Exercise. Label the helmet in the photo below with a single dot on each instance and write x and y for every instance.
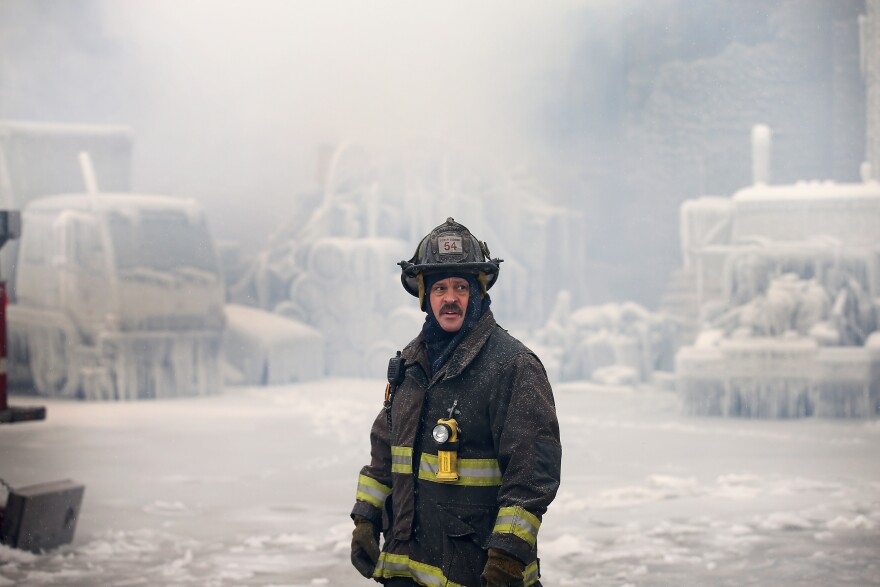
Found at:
(449, 248)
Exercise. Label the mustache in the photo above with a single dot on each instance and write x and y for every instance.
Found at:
(451, 308)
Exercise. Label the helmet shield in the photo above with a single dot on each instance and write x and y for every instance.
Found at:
(449, 248)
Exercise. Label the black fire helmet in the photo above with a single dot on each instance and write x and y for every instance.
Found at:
(449, 248)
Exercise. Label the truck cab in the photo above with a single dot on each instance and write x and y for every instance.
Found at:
(119, 296)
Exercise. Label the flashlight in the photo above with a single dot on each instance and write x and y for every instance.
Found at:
(441, 433)
(445, 434)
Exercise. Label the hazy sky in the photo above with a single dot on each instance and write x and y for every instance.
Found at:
(234, 98)
(235, 102)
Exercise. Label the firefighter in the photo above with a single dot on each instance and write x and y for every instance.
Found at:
(465, 453)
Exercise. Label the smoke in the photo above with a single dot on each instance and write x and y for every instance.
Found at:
(624, 108)
(232, 100)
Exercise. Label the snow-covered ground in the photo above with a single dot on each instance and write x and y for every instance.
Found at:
(254, 486)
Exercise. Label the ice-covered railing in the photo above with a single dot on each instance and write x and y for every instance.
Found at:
(805, 210)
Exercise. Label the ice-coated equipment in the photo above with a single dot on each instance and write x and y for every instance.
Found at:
(115, 295)
(785, 285)
(119, 296)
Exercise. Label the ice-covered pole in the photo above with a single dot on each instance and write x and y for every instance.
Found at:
(866, 172)
(761, 141)
(88, 172)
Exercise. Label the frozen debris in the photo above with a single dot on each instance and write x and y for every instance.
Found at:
(785, 521)
(565, 545)
(858, 522)
(620, 375)
(168, 508)
(657, 488)
(268, 349)
(613, 343)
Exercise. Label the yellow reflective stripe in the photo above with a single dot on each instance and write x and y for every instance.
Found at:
(392, 565)
(471, 472)
(401, 459)
(531, 574)
(400, 565)
(518, 521)
(371, 491)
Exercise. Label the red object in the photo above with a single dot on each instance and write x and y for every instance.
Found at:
(11, 414)
(4, 405)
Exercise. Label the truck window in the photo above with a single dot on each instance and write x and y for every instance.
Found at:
(88, 252)
(162, 241)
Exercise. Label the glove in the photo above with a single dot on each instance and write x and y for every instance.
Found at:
(364, 546)
(502, 570)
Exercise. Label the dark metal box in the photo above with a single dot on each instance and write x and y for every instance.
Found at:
(41, 517)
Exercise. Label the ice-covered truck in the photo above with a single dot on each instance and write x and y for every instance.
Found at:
(117, 295)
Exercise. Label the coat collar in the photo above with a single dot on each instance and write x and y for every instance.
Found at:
(463, 356)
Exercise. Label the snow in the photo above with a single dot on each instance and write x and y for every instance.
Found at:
(253, 487)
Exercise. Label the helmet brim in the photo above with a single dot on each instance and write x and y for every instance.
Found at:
(410, 272)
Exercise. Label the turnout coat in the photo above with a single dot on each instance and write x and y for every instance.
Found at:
(509, 458)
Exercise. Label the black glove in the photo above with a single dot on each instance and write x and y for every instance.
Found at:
(502, 570)
(364, 546)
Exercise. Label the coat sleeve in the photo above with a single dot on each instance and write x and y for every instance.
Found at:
(526, 430)
(374, 481)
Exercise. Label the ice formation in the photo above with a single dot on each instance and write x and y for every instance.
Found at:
(268, 349)
(621, 344)
(788, 283)
(334, 265)
(119, 296)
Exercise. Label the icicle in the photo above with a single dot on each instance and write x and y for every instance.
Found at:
(761, 139)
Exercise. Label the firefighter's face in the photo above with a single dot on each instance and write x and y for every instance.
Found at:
(449, 300)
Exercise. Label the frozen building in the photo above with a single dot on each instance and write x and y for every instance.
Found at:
(787, 281)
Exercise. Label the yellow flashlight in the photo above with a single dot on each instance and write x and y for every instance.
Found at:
(445, 434)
